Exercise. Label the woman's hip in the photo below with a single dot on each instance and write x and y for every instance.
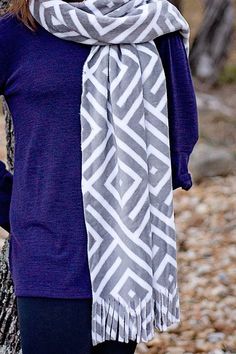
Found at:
(61, 326)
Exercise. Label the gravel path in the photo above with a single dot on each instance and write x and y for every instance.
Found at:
(206, 227)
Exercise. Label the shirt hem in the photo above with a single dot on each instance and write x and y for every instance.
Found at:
(51, 293)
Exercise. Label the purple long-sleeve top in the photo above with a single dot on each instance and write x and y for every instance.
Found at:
(41, 206)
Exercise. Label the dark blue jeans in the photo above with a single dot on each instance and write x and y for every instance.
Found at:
(61, 326)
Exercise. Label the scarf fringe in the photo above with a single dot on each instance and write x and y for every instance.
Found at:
(115, 320)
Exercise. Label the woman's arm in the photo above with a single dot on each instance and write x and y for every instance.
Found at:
(6, 178)
(182, 107)
(6, 181)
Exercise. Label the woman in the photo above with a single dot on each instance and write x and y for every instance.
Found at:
(44, 209)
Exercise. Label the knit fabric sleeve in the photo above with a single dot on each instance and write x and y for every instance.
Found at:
(4, 54)
(182, 107)
(6, 178)
(6, 182)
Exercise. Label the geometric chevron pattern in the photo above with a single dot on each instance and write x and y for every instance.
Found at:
(126, 170)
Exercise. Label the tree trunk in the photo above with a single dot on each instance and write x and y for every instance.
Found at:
(211, 45)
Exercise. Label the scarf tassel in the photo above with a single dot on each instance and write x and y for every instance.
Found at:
(116, 320)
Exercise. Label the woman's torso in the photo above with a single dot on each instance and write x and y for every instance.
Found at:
(42, 88)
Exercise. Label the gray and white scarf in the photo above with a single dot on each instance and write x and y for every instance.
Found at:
(126, 170)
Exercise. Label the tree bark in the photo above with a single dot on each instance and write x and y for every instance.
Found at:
(211, 45)
(3, 6)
